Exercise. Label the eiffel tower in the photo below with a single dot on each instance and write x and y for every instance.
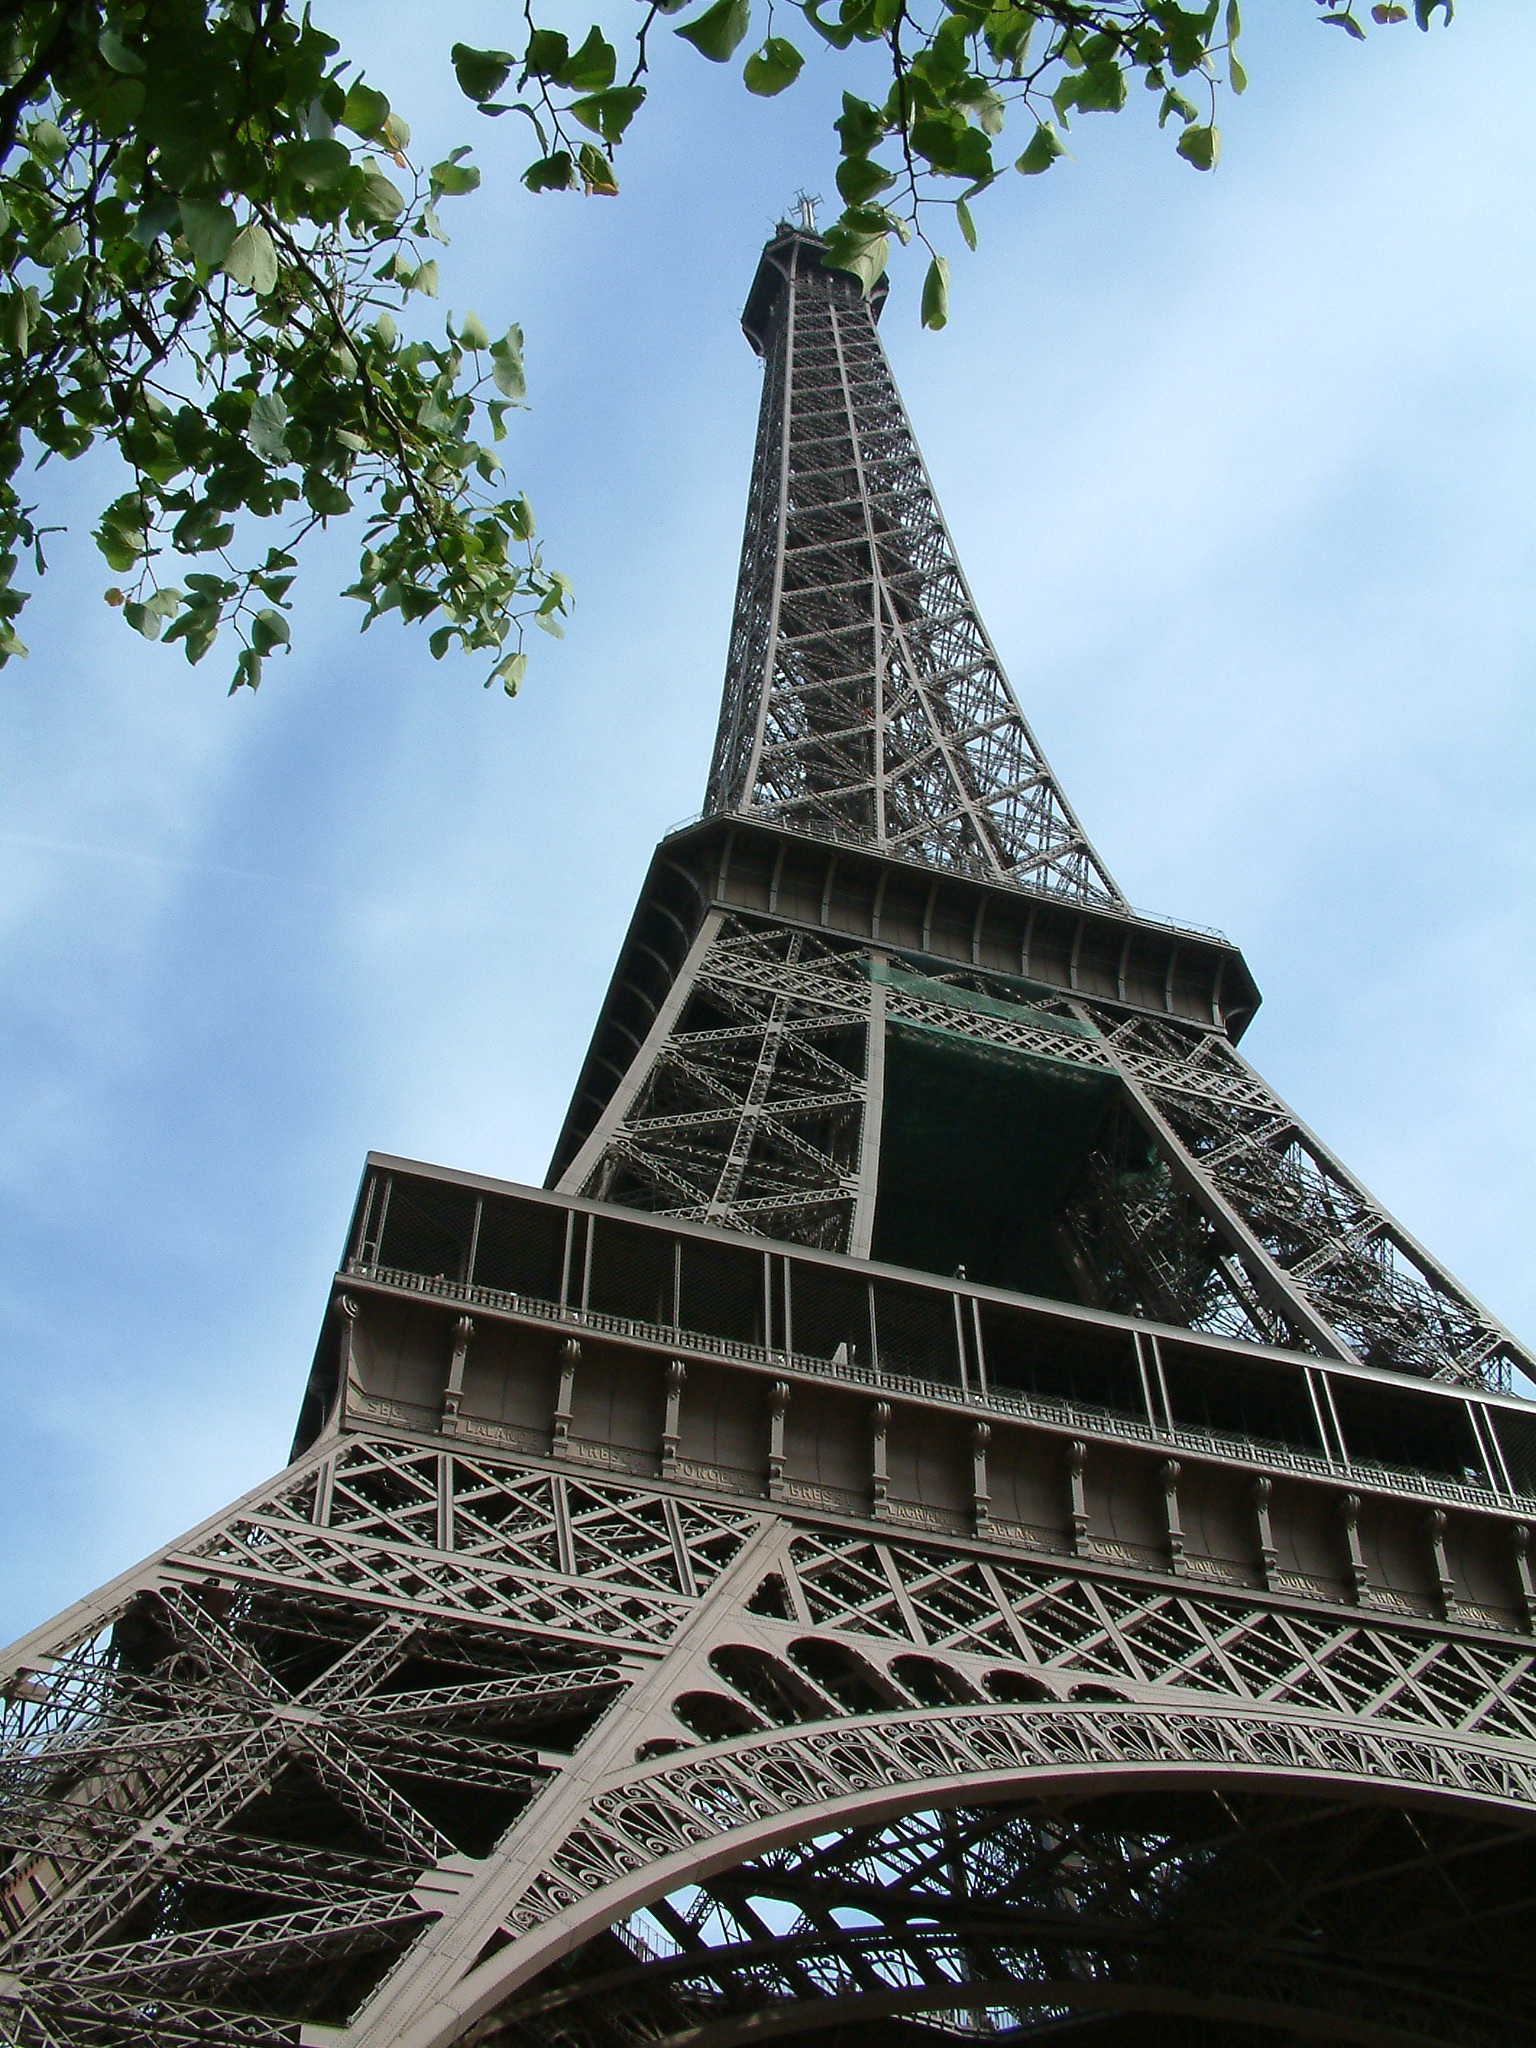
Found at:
(951, 1515)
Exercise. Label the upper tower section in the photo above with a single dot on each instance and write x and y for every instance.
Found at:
(863, 701)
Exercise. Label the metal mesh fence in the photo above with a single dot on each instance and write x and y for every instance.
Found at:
(632, 1272)
(721, 1292)
(520, 1248)
(829, 1313)
(1270, 1407)
(915, 1332)
(428, 1228)
(1095, 1370)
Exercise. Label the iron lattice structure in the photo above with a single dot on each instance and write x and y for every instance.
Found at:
(863, 699)
(865, 708)
(953, 1515)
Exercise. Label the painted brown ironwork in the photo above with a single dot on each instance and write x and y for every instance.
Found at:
(413, 1650)
(863, 699)
(864, 707)
(685, 1622)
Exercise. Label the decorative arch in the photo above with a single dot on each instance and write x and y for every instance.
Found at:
(685, 1820)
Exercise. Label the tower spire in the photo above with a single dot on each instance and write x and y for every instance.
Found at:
(864, 702)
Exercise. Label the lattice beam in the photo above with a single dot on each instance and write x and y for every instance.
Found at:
(864, 702)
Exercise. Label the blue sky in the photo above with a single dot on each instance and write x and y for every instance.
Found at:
(1243, 473)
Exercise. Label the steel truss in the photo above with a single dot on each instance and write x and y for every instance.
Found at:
(863, 699)
(374, 1748)
(427, 1743)
(1205, 1201)
(863, 703)
(1308, 1917)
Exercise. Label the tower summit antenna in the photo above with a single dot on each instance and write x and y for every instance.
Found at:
(808, 207)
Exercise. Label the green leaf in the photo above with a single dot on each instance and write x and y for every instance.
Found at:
(118, 55)
(520, 519)
(252, 260)
(481, 73)
(63, 245)
(860, 126)
(325, 495)
(1344, 18)
(591, 68)
(1100, 89)
(473, 333)
(269, 422)
(317, 164)
(16, 318)
(832, 32)
(1045, 146)
(554, 173)
(1174, 102)
(1237, 75)
(200, 531)
(1189, 36)
(269, 629)
(547, 53)
(507, 366)
(425, 279)
(596, 171)
(47, 140)
(1008, 29)
(966, 225)
(365, 112)
(1200, 147)
(453, 176)
(380, 198)
(509, 672)
(769, 70)
(719, 30)
(943, 64)
(609, 113)
(952, 147)
(936, 293)
(210, 229)
(859, 179)
(150, 616)
(862, 253)
(984, 105)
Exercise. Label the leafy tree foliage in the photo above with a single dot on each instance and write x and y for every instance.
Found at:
(208, 225)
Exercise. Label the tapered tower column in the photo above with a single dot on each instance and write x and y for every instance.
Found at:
(953, 1514)
(886, 998)
(863, 700)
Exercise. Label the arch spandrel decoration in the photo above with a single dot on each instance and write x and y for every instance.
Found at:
(466, 1697)
(1212, 1917)
(682, 1821)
